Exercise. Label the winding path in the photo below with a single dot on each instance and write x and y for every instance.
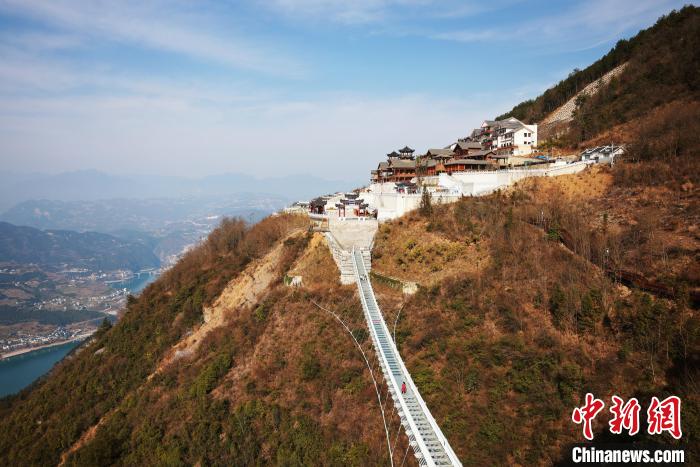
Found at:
(425, 437)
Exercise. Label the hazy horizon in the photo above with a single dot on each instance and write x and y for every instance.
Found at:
(133, 174)
(90, 185)
(321, 87)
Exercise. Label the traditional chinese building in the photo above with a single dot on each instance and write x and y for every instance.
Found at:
(466, 148)
(399, 167)
(463, 164)
(407, 188)
(318, 206)
(351, 205)
(440, 154)
(406, 153)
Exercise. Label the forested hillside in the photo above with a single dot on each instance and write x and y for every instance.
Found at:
(218, 363)
(58, 249)
(526, 299)
(663, 66)
(529, 299)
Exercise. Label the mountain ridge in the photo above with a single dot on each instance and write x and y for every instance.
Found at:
(58, 249)
(520, 312)
(96, 185)
(663, 65)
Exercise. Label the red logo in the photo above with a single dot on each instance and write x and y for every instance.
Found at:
(624, 416)
(661, 416)
(665, 416)
(587, 413)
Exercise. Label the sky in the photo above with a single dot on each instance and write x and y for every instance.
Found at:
(277, 87)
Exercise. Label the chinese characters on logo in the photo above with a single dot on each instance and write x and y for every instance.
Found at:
(665, 416)
(662, 416)
(587, 413)
(624, 416)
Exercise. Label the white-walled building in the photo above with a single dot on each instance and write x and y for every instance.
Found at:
(605, 154)
(513, 137)
(509, 137)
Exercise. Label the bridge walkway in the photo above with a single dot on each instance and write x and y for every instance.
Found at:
(429, 445)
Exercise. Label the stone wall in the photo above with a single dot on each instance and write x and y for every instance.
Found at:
(344, 235)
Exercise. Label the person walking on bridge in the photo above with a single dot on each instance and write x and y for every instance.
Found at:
(403, 387)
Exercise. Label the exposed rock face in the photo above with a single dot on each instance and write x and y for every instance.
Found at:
(243, 291)
(558, 119)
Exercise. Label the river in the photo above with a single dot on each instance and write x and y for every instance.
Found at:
(18, 372)
(136, 284)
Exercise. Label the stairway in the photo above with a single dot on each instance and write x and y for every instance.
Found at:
(429, 445)
(343, 259)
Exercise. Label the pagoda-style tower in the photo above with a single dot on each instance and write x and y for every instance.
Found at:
(406, 153)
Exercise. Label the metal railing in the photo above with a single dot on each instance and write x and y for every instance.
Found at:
(425, 437)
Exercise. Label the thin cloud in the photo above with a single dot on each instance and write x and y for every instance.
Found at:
(587, 25)
(154, 25)
(42, 41)
(364, 12)
(24, 75)
(481, 35)
(351, 12)
(68, 101)
(162, 134)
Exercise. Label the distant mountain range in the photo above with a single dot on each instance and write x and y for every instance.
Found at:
(167, 226)
(58, 249)
(94, 185)
(159, 216)
(272, 377)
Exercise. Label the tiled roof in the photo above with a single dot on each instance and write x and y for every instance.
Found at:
(466, 162)
(465, 145)
(403, 163)
(318, 202)
(483, 152)
(440, 152)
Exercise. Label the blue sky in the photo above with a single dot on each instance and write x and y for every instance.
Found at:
(277, 86)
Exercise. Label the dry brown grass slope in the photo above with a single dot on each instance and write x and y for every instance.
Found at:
(504, 351)
(279, 378)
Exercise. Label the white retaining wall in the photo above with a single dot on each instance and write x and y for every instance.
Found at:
(391, 205)
(488, 181)
(345, 235)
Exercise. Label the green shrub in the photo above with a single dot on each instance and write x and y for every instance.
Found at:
(558, 306)
(210, 375)
(424, 379)
(310, 366)
(569, 381)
